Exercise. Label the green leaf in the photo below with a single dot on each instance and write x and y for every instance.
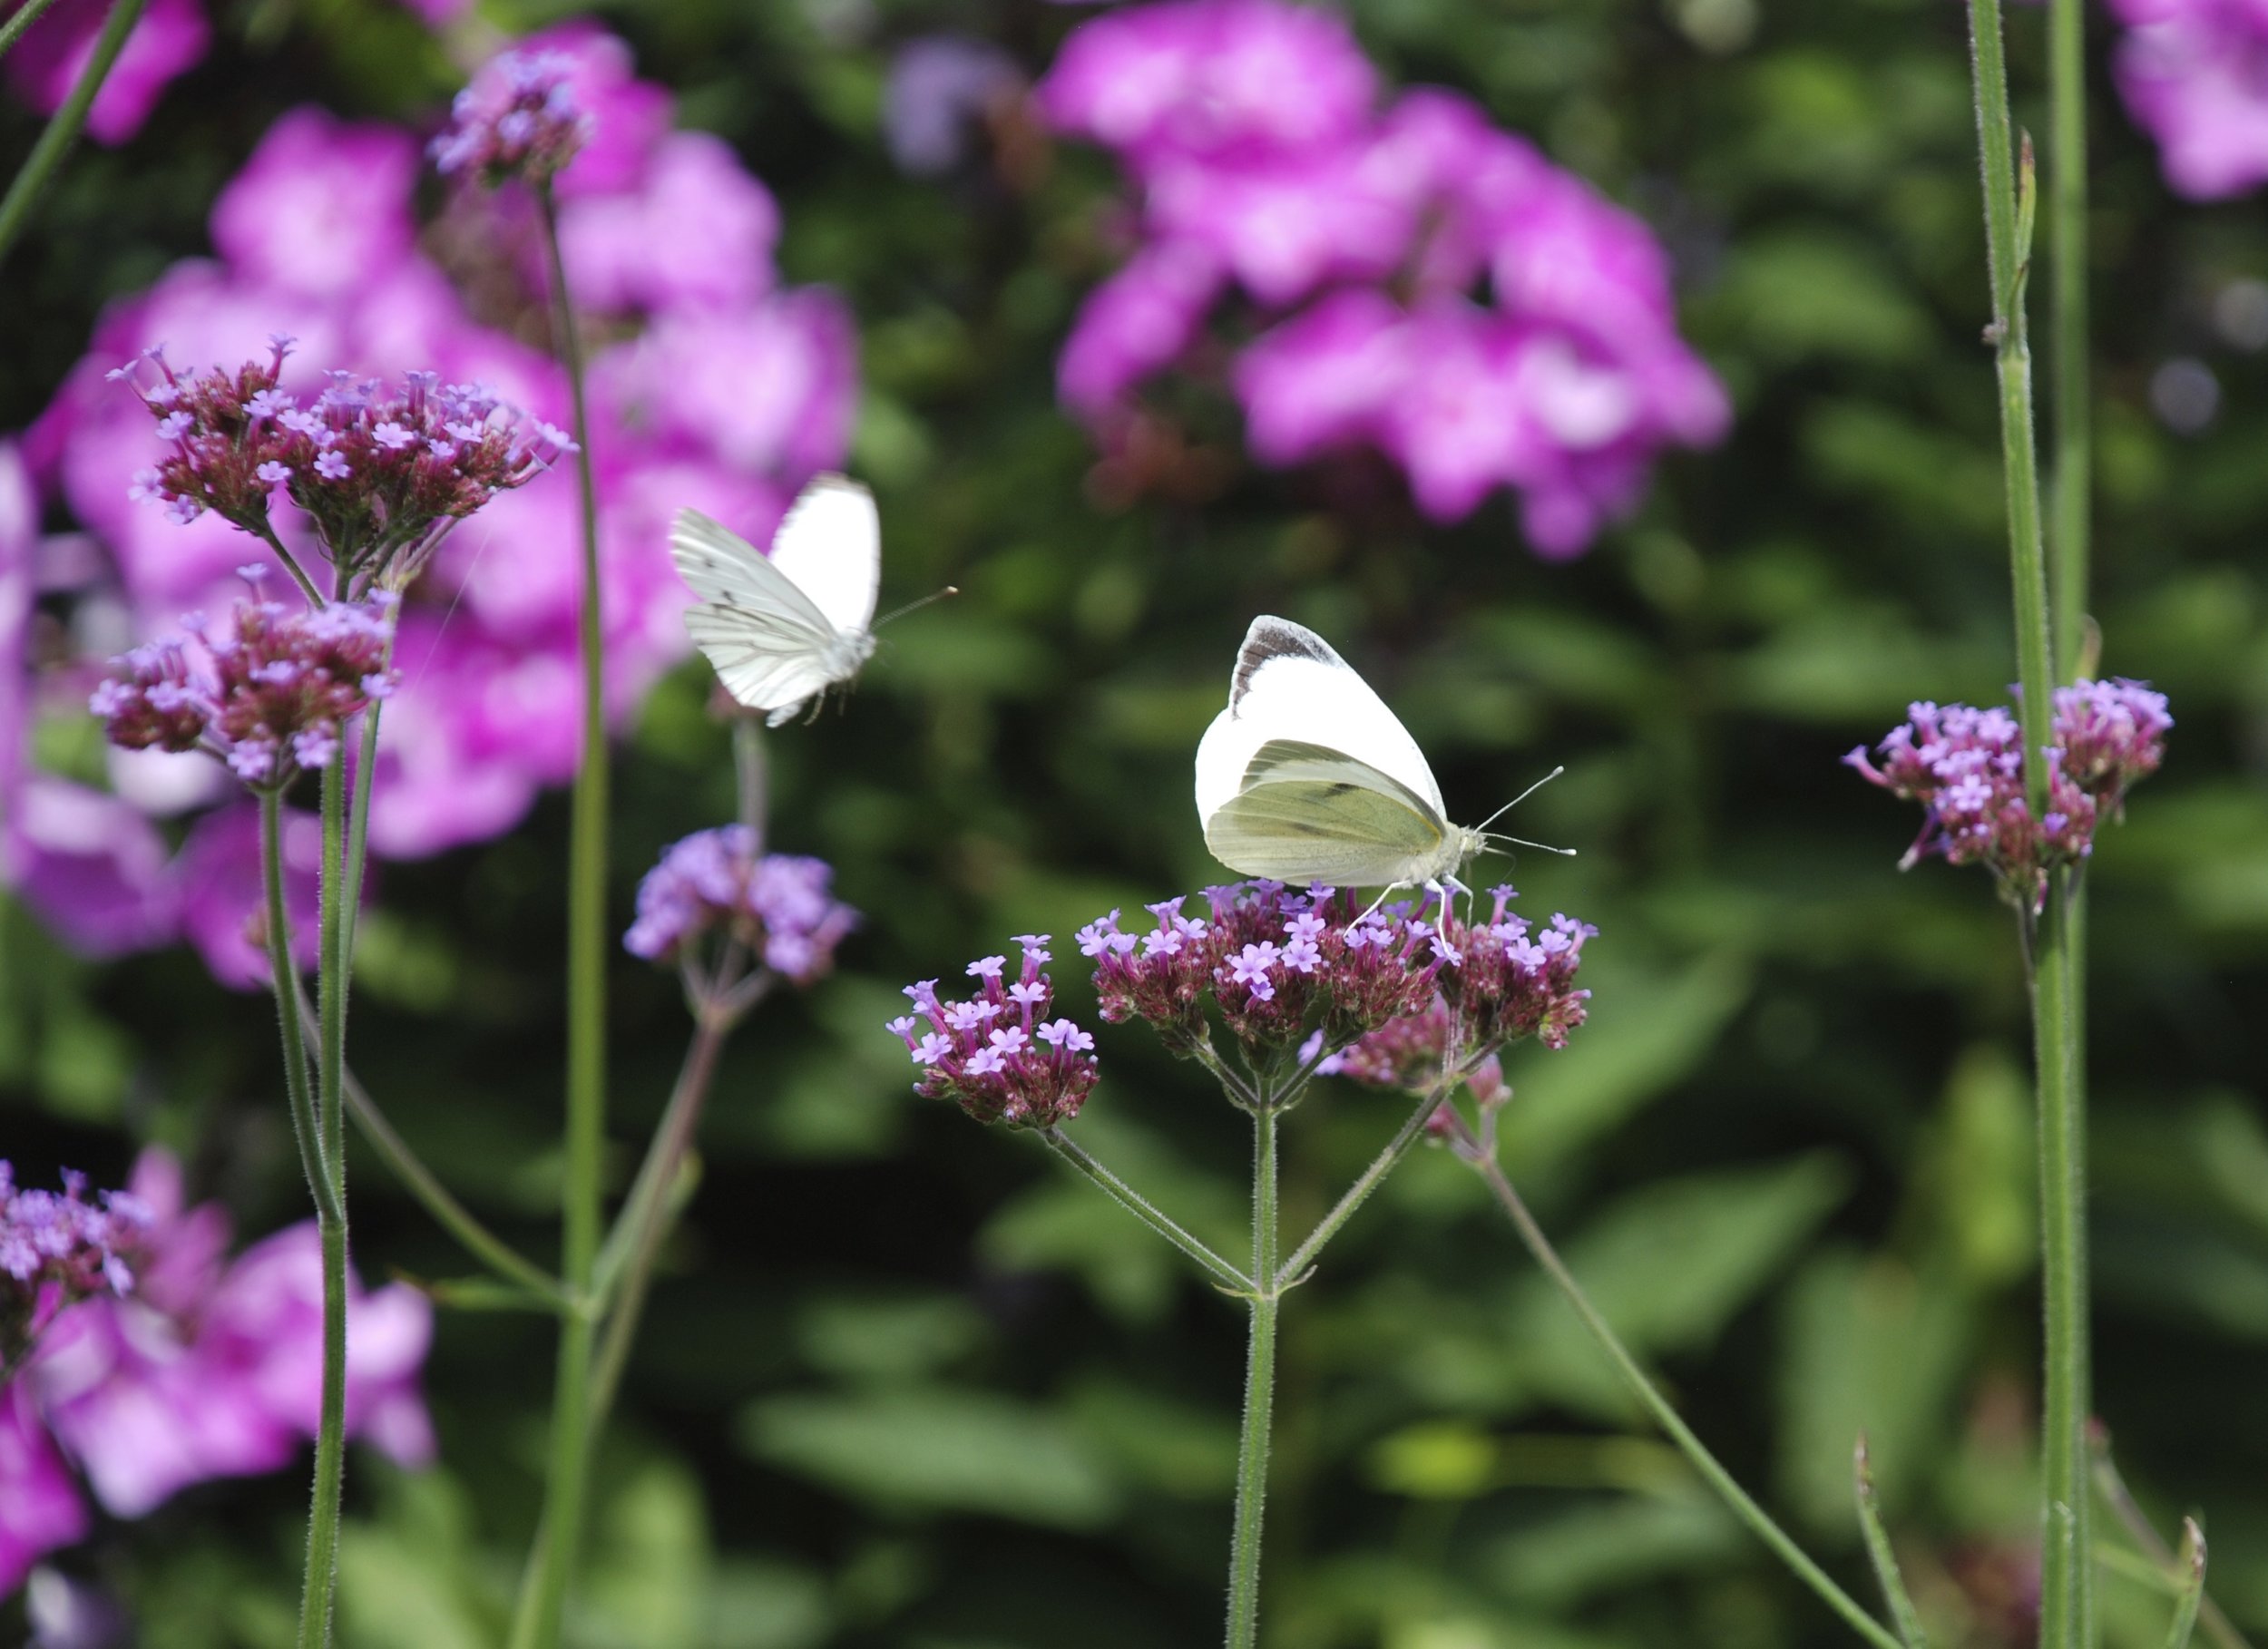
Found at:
(1580, 1554)
(937, 1450)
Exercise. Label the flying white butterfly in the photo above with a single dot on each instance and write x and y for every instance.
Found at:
(1307, 777)
(782, 629)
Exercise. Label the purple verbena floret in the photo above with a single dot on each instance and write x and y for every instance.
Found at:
(998, 1054)
(269, 695)
(58, 1248)
(517, 119)
(778, 906)
(379, 472)
(1966, 768)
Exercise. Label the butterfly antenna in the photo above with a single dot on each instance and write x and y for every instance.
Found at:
(899, 612)
(1541, 848)
(1523, 797)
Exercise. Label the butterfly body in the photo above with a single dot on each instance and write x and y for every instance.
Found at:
(1307, 777)
(781, 629)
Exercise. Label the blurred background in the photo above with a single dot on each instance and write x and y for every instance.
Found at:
(905, 1382)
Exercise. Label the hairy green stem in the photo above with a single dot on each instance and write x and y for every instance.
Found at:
(542, 1596)
(1734, 1496)
(283, 974)
(1879, 1552)
(63, 131)
(2066, 1578)
(2111, 1485)
(2192, 1581)
(12, 29)
(1224, 1274)
(1252, 1447)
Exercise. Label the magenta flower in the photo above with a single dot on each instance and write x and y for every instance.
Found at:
(222, 897)
(317, 209)
(40, 1507)
(1966, 768)
(997, 1055)
(698, 234)
(169, 39)
(775, 906)
(1563, 385)
(2195, 74)
(210, 1369)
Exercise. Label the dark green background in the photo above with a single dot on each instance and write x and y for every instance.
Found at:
(907, 1383)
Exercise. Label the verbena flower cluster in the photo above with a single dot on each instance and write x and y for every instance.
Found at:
(2194, 75)
(997, 1054)
(1273, 960)
(375, 472)
(270, 695)
(718, 883)
(712, 384)
(1363, 240)
(58, 1248)
(517, 119)
(212, 1367)
(1966, 768)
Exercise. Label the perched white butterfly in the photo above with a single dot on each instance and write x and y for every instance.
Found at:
(782, 629)
(1307, 777)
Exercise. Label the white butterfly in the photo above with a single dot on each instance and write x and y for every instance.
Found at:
(782, 629)
(1307, 777)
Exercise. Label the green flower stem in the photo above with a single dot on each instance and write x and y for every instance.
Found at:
(1224, 1274)
(2068, 543)
(284, 975)
(645, 1218)
(1252, 1448)
(321, 1585)
(542, 1596)
(2066, 1578)
(47, 155)
(12, 29)
(1902, 1613)
(1665, 1416)
(1358, 1193)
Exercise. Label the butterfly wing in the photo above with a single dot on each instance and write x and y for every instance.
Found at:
(771, 645)
(1347, 767)
(830, 547)
(1306, 813)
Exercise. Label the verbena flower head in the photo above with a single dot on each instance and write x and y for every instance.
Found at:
(58, 1248)
(1966, 768)
(1413, 1055)
(998, 1054)
(1273, 960)
(519, 118)
(380, 473)
(715, 883)
(270, 695)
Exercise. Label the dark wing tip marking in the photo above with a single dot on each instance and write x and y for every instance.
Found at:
(1273, 638)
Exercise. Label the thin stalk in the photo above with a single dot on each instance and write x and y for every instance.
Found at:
(331, 1443)
(283, 973)
(2112, 1486)
(2069, 542)
(63, 131)
(2192, 1583)
(12, 29)
(1359, 1192)
(1734, 1496)
(1252, 1448)
(645, 1225)
(1902, 1613)
(1224, 1274)
(544, 1591)
(2066, 1578)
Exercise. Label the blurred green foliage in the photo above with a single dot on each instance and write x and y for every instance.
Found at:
(905, 1382)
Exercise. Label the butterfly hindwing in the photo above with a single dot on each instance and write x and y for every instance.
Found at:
(1307, 812)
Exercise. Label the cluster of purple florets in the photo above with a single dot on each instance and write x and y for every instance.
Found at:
(270, 695)
(775, 906)
(1512, 979)
(997, 1055)
(1966, 768)
(518, 118)
(59, 1247)
(377, 471)
(1271, 959)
